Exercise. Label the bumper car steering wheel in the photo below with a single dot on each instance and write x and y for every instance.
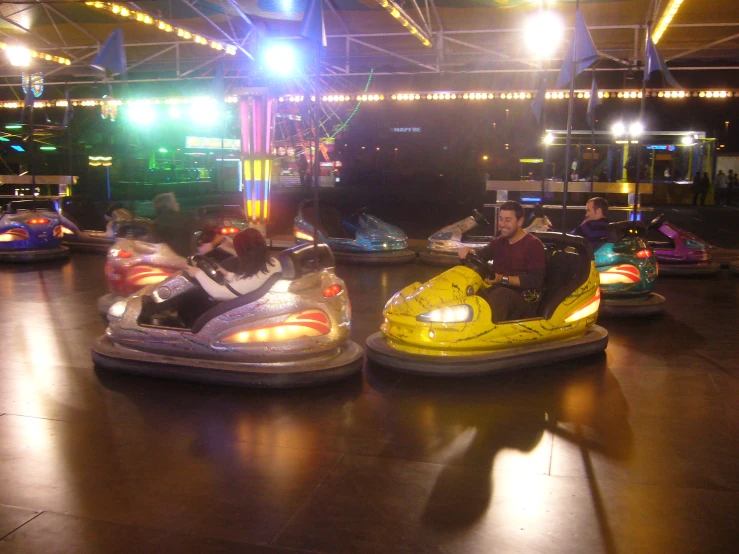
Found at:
(657, 222)
(477, 264)
(207, 266)
(359, 213)
(479, 218)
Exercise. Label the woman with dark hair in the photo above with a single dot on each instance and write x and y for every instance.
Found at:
(539, 221)
(247, 271)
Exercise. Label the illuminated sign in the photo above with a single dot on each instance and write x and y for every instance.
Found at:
(406, 130)
(213, 143)
(665, 147)
(531, 161)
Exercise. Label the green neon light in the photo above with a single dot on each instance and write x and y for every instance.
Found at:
(48, 148)
(14, 126)
(369, 80)
(3, 139)
(163, 150)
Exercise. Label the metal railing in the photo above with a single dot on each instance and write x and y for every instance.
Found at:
(627, 209)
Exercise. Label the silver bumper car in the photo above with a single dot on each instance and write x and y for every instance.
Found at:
(292, 331)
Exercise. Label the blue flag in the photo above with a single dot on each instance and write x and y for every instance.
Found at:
(585, 56)
(593, 103)
(537, 106)
(653, 61)
(112, 56)
(313, 27)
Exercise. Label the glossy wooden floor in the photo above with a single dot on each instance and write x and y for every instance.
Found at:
(632, 451)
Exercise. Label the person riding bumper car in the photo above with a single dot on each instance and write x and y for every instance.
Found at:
(136, 261)
(680, 252)
(31, 231)
(360, 239)
(628, 272)
(443, 327)
(291, 331)
(76, 237)
(473, 231)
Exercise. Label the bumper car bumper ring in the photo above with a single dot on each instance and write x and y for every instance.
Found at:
(343, 362)
(593, 342)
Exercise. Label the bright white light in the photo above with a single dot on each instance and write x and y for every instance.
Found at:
(636, 129)
(280, 59)
(449, 314)
(618, 129)
(687, 140)
(548, 138)
(204, 113)
(542, 34)
(174, 112)
(141, 114)
(19, 56)
(118, 309)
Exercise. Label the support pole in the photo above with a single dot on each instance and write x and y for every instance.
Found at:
(316, 140)
(570, 109)
(32, 151)
(592, 142)
(638, 143)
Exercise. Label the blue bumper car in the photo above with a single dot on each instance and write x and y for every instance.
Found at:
(31, 231)
(628, 272)
(358, 239)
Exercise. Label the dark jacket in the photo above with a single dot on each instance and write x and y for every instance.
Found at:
(177, 230)
(595, 231)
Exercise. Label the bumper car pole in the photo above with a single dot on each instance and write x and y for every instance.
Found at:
(570, 108)
(316, 150)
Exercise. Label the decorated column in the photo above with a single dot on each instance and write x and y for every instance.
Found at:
(256, 110)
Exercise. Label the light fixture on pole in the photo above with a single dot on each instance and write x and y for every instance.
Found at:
(18, 56)
(279, 58)
(542, 34)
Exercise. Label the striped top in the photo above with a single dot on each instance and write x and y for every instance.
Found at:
(595, 231)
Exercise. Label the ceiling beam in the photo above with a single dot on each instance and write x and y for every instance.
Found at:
(394, 55)
(704, 47)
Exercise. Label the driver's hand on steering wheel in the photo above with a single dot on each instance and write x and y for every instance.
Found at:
(462, 252)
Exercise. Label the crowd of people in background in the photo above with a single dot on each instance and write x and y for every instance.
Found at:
(726, 188)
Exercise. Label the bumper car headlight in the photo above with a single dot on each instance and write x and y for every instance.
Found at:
(118, 309)
(450, 314)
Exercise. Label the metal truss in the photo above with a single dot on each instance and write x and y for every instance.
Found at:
(349, 54)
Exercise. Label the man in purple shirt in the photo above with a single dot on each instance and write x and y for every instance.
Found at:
(519, 265)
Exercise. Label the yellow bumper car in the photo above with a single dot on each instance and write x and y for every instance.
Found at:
(442, 327)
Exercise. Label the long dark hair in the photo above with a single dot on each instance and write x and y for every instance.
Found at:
(254, 256)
